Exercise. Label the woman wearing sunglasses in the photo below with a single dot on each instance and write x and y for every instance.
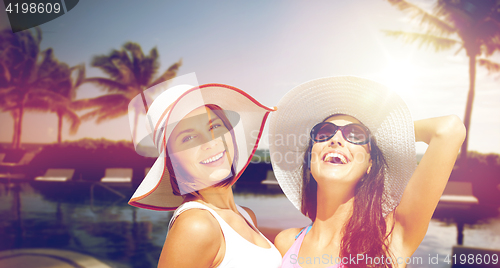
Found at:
(201, 136)
(352, 170)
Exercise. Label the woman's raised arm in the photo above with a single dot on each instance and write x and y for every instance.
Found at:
(444, 135)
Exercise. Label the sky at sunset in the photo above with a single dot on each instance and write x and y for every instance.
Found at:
(266, 48)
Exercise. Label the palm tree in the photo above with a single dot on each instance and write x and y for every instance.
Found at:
(130, 73)
(62, 88)
(470, 25)
(26, 73)
(63, 105)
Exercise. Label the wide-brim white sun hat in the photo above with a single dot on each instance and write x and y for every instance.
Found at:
(375, 106)
(155, 192)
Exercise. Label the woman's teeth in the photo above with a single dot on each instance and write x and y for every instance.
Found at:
(335, 158)
(213, 158)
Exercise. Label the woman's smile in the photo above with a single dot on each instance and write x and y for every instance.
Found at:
(214, 160)
(335, 157)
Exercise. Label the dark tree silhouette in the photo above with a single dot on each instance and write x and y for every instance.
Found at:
(26, 76)
(130, 73)
(473, 26)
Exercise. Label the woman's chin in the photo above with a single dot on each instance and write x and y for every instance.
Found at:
(219, 175)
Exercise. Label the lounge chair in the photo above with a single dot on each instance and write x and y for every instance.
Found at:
(14, 171)
(118, 176)
(458, 194)
(114, 177)
(270, 180)
(26, 159)
(57, 175)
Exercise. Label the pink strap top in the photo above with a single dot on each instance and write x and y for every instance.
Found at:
(292, 260)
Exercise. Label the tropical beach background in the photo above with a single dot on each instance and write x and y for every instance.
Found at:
(65, 87)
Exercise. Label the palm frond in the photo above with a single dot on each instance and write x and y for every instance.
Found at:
(112, 113)
(28, 71)
(78, 80)
(5, 91)
(41, 105)
(5, 76)
(54, 76)
(40, 93)
(430, 23)
(149, 67)
(99, 102)
(125, 58)
(106, 113)
(10, 108)
(108, 84)
(170, 73)
(104, 62)
(13, 58)
(38, 35)
(127, 75)
(90, 115)
(489, 33)
(29, 42)
(439, 43)
(453, 13)
(489, 47)
(74, 119)
(10, 97)
(136, 51)
(48, 62)
(492, 67)
(80, 73)
(133, 46)
(45, 100)
(143, 66)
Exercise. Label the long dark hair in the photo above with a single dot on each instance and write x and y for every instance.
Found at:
(365, 232)
(229, 180)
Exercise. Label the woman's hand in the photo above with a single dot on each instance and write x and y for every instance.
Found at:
(444, 135)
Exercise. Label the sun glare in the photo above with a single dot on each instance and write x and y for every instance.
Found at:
(399, 74)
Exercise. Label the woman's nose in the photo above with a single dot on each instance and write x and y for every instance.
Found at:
(337, 139)
(210, 141)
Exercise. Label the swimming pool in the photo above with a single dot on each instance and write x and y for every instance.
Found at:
(123, 236)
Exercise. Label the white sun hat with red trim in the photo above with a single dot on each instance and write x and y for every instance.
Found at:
(168, 108)
(381, 110)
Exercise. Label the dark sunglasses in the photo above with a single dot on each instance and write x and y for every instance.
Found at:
(353, 133)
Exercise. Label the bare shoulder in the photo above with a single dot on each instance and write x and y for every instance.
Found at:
(285, 239)
(252, 215)
(195, 235)
(199, 221)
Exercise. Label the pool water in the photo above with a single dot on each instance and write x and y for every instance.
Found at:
(123, 236)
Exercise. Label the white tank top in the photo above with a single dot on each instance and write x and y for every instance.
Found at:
(239, 252)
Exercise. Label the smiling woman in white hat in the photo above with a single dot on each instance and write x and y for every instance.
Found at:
(343, 151)
(205, 137)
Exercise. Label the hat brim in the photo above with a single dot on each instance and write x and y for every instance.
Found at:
(155, 191)
(375, 106)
